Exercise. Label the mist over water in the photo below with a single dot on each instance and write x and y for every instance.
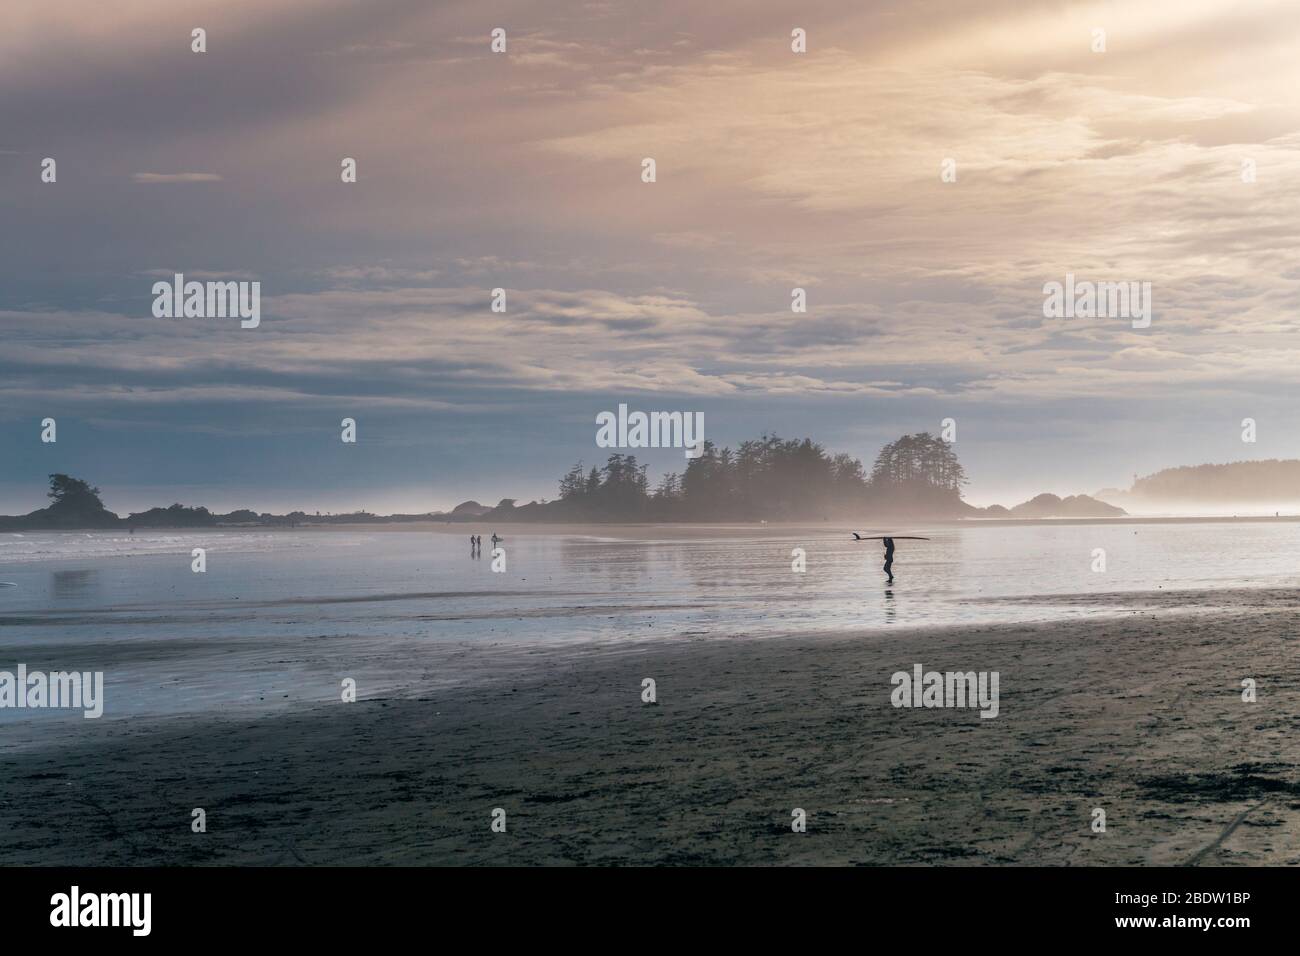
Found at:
(1161, 508)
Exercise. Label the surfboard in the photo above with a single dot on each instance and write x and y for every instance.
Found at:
(892, 537)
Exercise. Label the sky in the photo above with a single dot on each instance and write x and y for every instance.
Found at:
(522, 170)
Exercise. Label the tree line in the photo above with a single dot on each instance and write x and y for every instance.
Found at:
(771, 478)
(764, 479)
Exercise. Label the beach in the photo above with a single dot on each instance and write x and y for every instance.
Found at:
(1136, 710)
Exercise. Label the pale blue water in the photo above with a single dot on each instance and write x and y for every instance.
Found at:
(333, 597)
(425, 585)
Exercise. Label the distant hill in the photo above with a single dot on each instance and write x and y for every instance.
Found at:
(1075, 506)
(471, 508)
(1239, 481)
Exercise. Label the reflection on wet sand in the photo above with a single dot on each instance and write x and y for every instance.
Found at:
(74, 584)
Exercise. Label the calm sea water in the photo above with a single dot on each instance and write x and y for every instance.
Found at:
(115, 586)
(278, 615)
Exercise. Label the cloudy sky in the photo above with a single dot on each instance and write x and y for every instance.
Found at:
(523, 171)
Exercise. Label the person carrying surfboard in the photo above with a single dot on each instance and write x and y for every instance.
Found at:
(889, 550)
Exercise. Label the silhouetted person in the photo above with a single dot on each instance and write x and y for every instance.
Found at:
(495, 539)
(889, 550)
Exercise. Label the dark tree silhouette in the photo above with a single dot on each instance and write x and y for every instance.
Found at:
(73, 504)
(73, 493)
(573, 485)
(773, 479)
(919, 460)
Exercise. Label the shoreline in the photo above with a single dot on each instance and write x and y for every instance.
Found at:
(1139, 714)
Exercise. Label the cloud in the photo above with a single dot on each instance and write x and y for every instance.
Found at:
(176, 177)
(199, 274)
(521, 171)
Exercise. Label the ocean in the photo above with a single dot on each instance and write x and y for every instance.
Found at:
(282, 617)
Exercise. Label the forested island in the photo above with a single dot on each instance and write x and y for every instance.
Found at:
(766, 479)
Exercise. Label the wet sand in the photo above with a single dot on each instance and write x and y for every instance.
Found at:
(1139, 714)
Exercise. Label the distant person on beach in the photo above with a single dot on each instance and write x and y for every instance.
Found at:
(495, 539)
(889, 559)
